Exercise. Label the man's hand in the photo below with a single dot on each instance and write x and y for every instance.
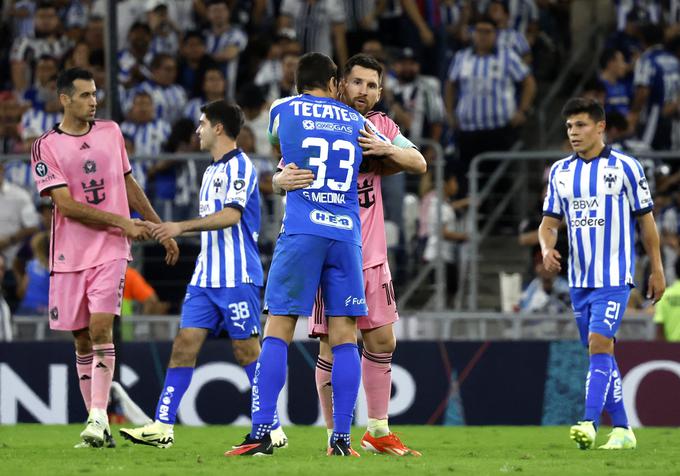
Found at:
(135, 230)
(292, 177)
(656, 286)
(551, 260)
(164, 231)
(518, 119)
(171, 252)
(372, 145)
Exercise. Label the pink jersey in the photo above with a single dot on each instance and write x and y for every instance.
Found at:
(373, 241)
(93, 167)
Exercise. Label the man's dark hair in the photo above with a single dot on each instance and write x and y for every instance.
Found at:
(651, 34)
(66, 78)
(608, 55)
(138, 25)
(193, 34)
(502, 3)
(365, 61)
(157, 60)
(314, 72)
(44, 5)
(251, 96)
(579, 105)
(484, 19)
(616, 120)
(217, 2)
(225, 113)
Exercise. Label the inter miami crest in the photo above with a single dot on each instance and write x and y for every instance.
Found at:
(610, 180)
(90, 167)
(54, 313)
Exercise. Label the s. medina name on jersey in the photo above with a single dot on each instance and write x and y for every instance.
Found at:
(599, 199)
(320, 134)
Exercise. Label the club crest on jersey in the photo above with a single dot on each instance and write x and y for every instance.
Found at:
(90, 167)
(217, 183)
(308, 125)
(610, 180)
(41, 169)
(54, 313)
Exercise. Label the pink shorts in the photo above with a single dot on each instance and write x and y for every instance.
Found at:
(77, 295)
(382, 308)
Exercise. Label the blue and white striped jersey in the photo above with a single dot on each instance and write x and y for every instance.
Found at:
(513, 39)
(230, 257)
(169, 101)
(486, 87)
(600, 199)
(149, 137)
(192, 110)
(215, 43)
(522, 12)
(35, 122)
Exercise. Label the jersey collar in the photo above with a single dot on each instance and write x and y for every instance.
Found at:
(605, 153)
(60, 131)
(225, 158)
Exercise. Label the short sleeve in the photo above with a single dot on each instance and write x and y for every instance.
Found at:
(241, 40)
(385, 125)
(456, 67)
(517, 70)
(46, 171)
(637, 188)
(644, 70)
(522, 44)
(274, 120)
(552, 205)
(240, 180)
(19, 49)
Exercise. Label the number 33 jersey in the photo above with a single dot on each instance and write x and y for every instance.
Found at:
(320, 134)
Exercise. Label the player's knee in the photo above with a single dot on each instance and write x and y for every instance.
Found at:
(246, 351)
(383, 345)
(82, 342)
(599, 344)
(101, 335)
(184, 352)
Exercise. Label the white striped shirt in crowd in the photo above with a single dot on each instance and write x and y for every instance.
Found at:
(313, 22)
(127, 61)
(513, 39)
(30, 49)
(522, 12)
(192, 110)
(423, 99)
(357, 10)
(230, 257)
(168, 44)
(599, 199)
(148, 139)
(234, 36)
(35, 122)
(169, 101)
(19, 173)
(23, 27)
(649, 11)
(450, 12)
(486, 87)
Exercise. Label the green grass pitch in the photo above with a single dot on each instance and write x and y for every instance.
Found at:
(47, 450)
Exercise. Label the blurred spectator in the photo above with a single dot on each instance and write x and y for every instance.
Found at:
(613, 74)
(193, 63)
(418, 106)
(47, 41)
(11, 111)
(586, 17)
(619, 137)
(164, 31)
(34, 286)
(362, 22)
(424, 32)
(627, 40)
(506, 36)
(224, 41)
(179, 202)
(523, 14)
(139, 297)
(168, 97)
(42, 91)
(18, 217)
(252, 101)
(547, 293)
(134, 61)
(647, 11)
(94, 33)
(667, 311)
(319, 25)
(78, 56)
(657, 86)
(214, 88)
(283, 84)
(6, 332)
(36, 121)
(481, 94)
(22, 12)
(452, 232)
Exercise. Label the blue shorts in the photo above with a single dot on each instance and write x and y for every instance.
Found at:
(235, 310)
(303, 263)
(599, 310)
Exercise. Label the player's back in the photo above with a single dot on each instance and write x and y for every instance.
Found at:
(93, 167)
(320, 134)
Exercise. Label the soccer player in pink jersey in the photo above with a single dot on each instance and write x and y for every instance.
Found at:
(82, 164)
(360, 89)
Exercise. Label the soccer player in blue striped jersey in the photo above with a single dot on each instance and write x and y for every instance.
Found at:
(601, 193)
(319, 246)
(224, 292)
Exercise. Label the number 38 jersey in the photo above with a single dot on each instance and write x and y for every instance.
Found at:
(320, 134)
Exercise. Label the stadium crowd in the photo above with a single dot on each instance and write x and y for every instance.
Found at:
(464, 74)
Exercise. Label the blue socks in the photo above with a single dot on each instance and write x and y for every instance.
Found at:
(268, 380)
(597, 385)
(177, 381)
(614, 403)
(345, 380)
(250, 372)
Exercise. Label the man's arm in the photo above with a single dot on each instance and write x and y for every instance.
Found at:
(526, 100)
(394, 159)
(17, 237)
(639, 101)
(650, 241)
(215, 221)
(291, 178)
(547, 237)
(340, 43)
(94, 217)
(450, 100)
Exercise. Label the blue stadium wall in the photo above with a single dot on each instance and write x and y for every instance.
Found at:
(438, 383)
